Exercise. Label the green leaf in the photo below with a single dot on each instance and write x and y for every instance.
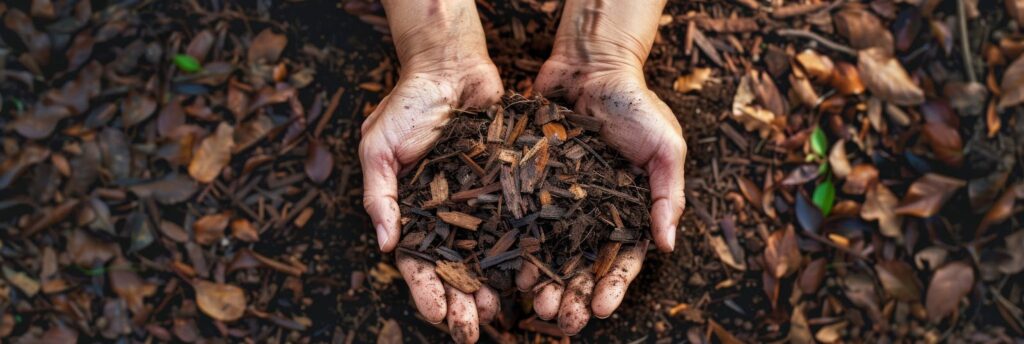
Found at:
(819, 143)
(825, 196)
(187, 63)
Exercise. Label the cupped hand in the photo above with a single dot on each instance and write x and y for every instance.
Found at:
(399, 132)
(644, 130)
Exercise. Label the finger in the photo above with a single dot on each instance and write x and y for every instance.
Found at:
(667, 182)
(380, 190)
(547, 300)
(462, 316)
(426, 288)
(487, 304)
(611, 288)
(574, 311)
(527, 277)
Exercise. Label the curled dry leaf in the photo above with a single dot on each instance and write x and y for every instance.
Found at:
(838, 161)
(213, 154)
(886, 78)
(210, 228)
(223, 302)
(725, 254)
(863, 29)
(693, 81)
(1002, 209)
(752, 116)
(129, 286)
(928, 194)
(782, 253)
(899, 280)
(861, 178)
(266, 47)
(243, 230)
(1013, 80)
(880, 204)
(846, 79)
(948, 286)
(818, 67)
(319, 161)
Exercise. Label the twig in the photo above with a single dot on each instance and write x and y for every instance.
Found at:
(815, 37)
(965, 49)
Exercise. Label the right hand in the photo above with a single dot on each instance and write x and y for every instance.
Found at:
(399, 132)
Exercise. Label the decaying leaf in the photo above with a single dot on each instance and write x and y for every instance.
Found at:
(753, 117)
(928, 194)
(948, 286)
(210, 228)
(693, 81)
(213, 154)
(885, 77)
(880, 204)
(223, 302)
(129, 286)
(1013, 79)
(863, 29)
(838, 161)
(725, 254)
(818, 67)
(782, 253)
(899, 280)
(266, 47)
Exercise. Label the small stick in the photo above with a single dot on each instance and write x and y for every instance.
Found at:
(815, 37)
(965, 49)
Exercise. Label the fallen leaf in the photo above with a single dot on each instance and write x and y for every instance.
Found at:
(782, 253)
(945, 142)
(209, 229)
(880, 204)
(129, 286)
(136, 107)
(948, 286)
(319, 161)
(213, 154)
(824, 196)
(808, 215)
(266, 47)
(174, 188)
(886, 78)
(752, 116)
(243, 230)
(928, 194)
(930, 258)
(846, 79)
(811, 277)
(838, 161)
(171, 117)
(87, 251)
(831, 333)
(1013, 79)
(693, 81)
(223, 302)
(801, 175)
(11, 168)
(1002, 209)
(173, 231)
(26, 284)
(799, 330)
(390, 333)
(724, 254)
(818, 67)
(861, 178)
(863, 29)
(80, 50)
(39, 121)
(899, 280)
(200, 45)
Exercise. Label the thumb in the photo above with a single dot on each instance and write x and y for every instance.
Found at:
(667, 183)
(380, 190)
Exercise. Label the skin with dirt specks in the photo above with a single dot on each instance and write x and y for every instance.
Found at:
(574, 311)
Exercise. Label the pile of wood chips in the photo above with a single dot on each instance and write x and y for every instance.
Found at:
(528, 180)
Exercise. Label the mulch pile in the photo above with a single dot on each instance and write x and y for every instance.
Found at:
(188, 170)
(530, 181)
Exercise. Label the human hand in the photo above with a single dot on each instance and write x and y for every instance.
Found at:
(445, 68)
(597, 65)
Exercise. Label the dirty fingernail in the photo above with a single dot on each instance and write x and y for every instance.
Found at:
(382, 236)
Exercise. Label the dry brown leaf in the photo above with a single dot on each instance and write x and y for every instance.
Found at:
(213, 154)
(928, 194)
(137, 107)
(390, 333)
(266, 47)
(899, 280)
(1013, 81)
(223, 302)
(210, 228)
(724, 254)
(458, 275)
(782, 253)
(838, 161)
(23, 281)
(861, 178)
(948, 286)
(129, 286)
(752, 116)
(863, 29)
(818, 67)
(886, 78)
(880, 204)
(693, 81)
(243, 230)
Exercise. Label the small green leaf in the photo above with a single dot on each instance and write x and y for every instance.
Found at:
(187, 63)
(823, 168)
(819, 143)
(825, 196)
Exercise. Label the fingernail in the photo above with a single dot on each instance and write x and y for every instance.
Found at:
(670, 236)
(382, 236)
